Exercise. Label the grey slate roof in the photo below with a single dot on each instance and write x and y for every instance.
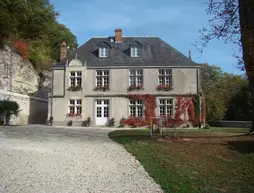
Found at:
(155, 52)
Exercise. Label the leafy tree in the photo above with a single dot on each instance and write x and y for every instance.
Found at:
(232, 20)
(229, 86)
(58, 34)
(219, 88)
(240, 105)
(34, 22)
(215, 106)
(8, 108)
(210, 76)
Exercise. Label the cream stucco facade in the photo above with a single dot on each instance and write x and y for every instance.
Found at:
(185, 81)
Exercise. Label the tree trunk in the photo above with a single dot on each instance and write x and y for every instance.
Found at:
(251, 82)
(246, 13)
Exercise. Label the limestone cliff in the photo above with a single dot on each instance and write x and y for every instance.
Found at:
(19, 76)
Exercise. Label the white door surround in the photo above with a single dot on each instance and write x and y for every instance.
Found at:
(101, 111)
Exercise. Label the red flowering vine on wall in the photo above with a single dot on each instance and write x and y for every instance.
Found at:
(203, 111)
(184, 106)
(21, 47)
(150, 105)
(191, 112)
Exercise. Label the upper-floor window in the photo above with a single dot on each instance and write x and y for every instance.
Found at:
(103, 52)
(75, 78)
(135, 51)
(136, 108)
(136, 77)
(166, 107)
(75, 107)
(104, 48)
(102, 78)
(165, 77)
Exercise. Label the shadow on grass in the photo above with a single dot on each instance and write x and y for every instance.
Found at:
(209, 136)
(243, 147)
(129, 136)
(126, 137)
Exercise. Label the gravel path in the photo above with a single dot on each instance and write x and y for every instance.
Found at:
(40, 159)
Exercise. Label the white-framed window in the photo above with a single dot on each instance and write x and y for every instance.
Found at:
(102, 78)
(135, 77)
(103, 52)
(136, 108)
(135, 52)
(164, 76)
(166, 106)
(76, 78)
(75, 106)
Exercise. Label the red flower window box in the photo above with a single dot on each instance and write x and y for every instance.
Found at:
(73, 115)
(135, 87)
(102, 88)
(163, 87)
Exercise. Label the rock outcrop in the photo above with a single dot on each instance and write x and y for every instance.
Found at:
(19, 76)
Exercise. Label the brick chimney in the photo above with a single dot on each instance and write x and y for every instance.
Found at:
(63, 51)
(118, 35)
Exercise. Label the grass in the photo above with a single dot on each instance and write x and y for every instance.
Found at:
(214, 160)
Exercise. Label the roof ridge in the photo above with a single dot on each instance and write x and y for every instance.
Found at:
(155, 50)
(139, 36)
(126, 36)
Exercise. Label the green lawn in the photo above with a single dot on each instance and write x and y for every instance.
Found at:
(214, 160)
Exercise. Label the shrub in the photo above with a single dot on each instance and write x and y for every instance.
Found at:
(84, 123)
(69, 123)
(111, 122)
(51, 120)
(207, 126)
(8, 108)
(21, 48)
(122, 122)
(88, 121)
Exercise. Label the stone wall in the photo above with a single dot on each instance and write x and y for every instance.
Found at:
(33, 110)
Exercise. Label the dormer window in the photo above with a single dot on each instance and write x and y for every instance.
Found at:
(134, 51)
(103, 52)
(103, 49)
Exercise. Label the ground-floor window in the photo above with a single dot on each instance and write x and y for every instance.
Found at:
(166, 107)
(136, 108)
(75, 107)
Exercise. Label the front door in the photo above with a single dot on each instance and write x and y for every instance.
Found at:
(102, 109)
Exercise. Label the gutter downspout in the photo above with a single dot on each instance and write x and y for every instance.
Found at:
(52, 94)
(199, 97)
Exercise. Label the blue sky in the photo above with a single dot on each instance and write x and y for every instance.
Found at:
(175, 21)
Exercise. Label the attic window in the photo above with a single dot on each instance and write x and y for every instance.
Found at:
(103, 49)
(135, 51)
(103, 52)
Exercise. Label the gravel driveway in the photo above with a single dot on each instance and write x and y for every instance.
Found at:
(52, 159)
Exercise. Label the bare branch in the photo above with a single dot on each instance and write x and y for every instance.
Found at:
(224, 25)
